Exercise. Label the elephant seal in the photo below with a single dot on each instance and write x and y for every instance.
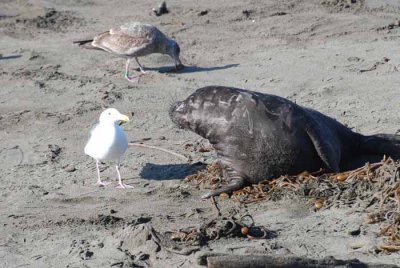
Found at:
(259, 136)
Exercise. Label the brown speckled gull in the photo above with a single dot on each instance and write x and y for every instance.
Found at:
(133, 40)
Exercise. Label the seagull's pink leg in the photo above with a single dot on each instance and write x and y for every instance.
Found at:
(140, 66)
(99, 182)
(127, 77)
(121, 185)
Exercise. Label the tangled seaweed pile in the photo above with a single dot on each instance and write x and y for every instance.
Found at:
(374, 186)
(211, 177)
(186, 241)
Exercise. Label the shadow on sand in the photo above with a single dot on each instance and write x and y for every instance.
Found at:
(10, 57)
(170, 172)
(190, 69)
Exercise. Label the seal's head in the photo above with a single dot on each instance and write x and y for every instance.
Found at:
(206, 112)
(189, 114)
(178, 114)
(192, 114)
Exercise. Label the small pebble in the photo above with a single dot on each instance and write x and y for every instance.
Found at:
(69, 168)
(202, 13)
(245, 230)
(355, 232)
(341, 177)
(318, 204)
(224, 195)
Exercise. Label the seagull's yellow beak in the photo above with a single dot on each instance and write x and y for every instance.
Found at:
(123, 119)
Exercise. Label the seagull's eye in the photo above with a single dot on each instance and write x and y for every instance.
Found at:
(109, 113)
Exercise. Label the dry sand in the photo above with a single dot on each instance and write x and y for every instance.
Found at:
(339, 57)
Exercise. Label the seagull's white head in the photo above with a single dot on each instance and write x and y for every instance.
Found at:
(112, 116)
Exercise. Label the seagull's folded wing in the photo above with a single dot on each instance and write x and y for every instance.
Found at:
(120, 43)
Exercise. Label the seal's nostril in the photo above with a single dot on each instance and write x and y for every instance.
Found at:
(180, 107)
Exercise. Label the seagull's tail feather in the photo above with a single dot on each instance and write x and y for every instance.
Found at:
(86, 44)
(82, 42)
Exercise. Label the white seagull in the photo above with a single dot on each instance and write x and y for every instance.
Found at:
(108, 142)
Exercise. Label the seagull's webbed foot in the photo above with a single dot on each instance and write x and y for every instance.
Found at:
(176, 69)
(133, 79)
(120, 183)
(179, 67)
(124, 186)
(103, 183)
(143, 71)
(141, 68)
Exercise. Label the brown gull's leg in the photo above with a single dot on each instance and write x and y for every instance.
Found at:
(140, 66)
(127, 77)
(99, 182)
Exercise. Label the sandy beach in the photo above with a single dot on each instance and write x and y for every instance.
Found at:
(336, 56)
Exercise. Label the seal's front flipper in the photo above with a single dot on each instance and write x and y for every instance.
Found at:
(236, 182)
(233, 186)
(324, 143)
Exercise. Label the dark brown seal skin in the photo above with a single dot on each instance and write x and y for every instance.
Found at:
(260, 136)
